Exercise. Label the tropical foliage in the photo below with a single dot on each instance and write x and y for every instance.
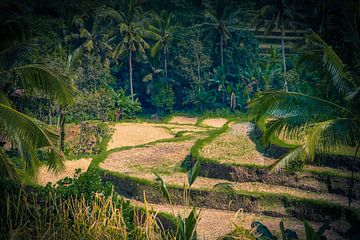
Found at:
(19, 77)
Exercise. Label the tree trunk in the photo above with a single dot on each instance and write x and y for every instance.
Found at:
(131, 77)
(222, 49)
(62, 130)
(50, 114)
(351, 185)
(198, 76)
(283, 59)
(165, 62)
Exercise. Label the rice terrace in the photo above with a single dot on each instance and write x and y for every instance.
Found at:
(179, 120)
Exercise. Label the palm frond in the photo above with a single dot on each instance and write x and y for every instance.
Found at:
(280, 104)
(292, 127)
(327, 136)
(298, 154)
(4, 99)
(7, 167)
(12, 55)
(29, 136)
(333, 63)
(37, 77)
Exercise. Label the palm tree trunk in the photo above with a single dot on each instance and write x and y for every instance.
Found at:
(165, 61)
(131, 77)
(50, 114)
(198, 76)
(283, 58)
(62, 130)
(351, 185)
(222, 49)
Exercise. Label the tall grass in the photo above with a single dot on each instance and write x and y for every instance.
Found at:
(51, 218)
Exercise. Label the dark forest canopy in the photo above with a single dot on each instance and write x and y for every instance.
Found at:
(210, 52)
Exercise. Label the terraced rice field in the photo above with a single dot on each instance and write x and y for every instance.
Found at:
(234, 146)
(155, 148)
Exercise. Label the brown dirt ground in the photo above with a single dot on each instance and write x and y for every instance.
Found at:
(132, 134)
(183, 120)
(225, 148)
(45, 176)
(214, 223)
(214, 122)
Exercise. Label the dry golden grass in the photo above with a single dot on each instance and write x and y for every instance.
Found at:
(235, 146)
(183, 120)
(45, 176)
(163, 157)
(214, 122)
(132, 134)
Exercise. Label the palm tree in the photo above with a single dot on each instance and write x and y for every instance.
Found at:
(222, 16)
(280, 16)
(93, 33)
(325, 126)
(26, 134)
(161, 30)
(131, 31)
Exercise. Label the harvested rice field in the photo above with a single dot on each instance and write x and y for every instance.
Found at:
(165, 158)
(157, 148)
(184, 120)
(235, 146)
(214, 122)
(45, 175)
(158, 157)
(132, 134)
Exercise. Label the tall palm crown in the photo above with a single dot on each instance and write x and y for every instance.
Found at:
(131, 31)
(93, 33)
(161, 30)
(222, 17)
(17, 76)
(323, 125)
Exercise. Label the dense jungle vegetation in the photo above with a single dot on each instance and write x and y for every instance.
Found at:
(73, 73)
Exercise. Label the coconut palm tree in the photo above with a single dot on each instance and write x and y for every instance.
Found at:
(92, 34)
(18, 77)
(325, 126)
(277, 16)
(131, 31)
(222, 17)
(161, 30)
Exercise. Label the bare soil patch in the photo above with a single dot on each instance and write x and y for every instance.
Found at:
(183, 120)
(132, 134)
(235, 146)
(214, 122)
(45, 175)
